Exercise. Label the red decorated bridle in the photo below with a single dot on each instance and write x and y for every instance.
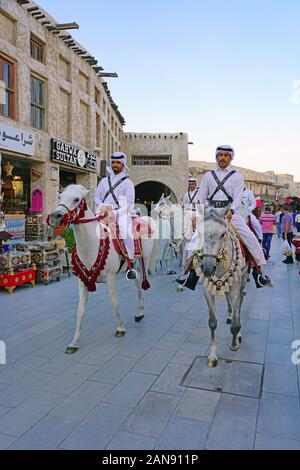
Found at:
(75, 216)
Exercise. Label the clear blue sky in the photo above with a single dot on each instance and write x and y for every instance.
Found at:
(221, 70)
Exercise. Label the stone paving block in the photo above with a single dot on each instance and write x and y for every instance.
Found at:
(171, 341)
(114, 370)
(184, 326)
(281, 321)
(152, 414)
(69, 380)
(4, 410)
(242, 354)
(127, 441)
(279, 415)
(270, 442)
(233, 426)
(45, 435)
(154, 361)
(6, 441)
(183, 434)
(16, 393)
(256, 313)
(254, 326)
(131, 389)
(98, 428)
(240, 378)
(281, 336)
(198, 404)
(138, 347)
(170, 379)
(12, 373)
(79, 403)
(16, 339)
(280, 379)
(279, 354)
(23, 417)
(43, 326)
(188, 351)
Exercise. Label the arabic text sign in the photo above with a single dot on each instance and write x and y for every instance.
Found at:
(16, 140)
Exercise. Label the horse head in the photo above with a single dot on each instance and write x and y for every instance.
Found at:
(215, 231)
(72, 205)
(162, 208)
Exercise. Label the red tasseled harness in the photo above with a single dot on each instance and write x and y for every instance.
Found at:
(89, 276)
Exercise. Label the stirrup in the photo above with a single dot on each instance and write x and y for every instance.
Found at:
(190, 281)
(131, 274)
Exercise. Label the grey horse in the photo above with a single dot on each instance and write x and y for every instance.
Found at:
(223, 271)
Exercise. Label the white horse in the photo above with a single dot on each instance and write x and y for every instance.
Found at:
(180, 226)
(223, 271)
(165, 244)
(87, 230)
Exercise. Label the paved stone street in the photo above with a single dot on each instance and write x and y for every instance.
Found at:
(126, 393)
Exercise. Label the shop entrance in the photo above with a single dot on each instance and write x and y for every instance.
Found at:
(66, 178)
(16, 175)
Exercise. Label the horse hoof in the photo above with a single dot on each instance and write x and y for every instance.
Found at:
(119, 334)
(234, 347)
(71, 350)
(138, 319)
(228, 321)
(179, 289)
(212, 362)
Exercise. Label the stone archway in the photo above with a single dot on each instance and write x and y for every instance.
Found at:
(149, 192)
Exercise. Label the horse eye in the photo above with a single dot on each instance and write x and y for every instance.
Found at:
(76, 199)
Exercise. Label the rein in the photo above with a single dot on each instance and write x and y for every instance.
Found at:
(75, 216)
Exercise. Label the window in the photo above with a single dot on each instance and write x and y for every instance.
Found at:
(97, 130)
(38, 103)
(104, 106)
(37, 49)
(83, 82)
(97, 96)
(8, 79)
(152, 160)
(65, 68)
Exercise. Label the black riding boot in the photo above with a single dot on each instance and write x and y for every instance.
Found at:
(191, 280)
(261, 280)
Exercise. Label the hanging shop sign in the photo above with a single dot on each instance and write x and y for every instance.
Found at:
(73, 156)
(16, 140)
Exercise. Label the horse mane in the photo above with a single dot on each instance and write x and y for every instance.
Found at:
(212, 213)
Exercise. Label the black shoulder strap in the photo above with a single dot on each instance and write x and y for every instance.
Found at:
(221, 184)
(192, 198)
(112, 188)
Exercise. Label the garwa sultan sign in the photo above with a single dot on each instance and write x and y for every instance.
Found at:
(70, 155)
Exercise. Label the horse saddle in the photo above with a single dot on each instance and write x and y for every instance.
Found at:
(140, 228)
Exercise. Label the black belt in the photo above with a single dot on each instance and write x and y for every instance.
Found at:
(219, 204)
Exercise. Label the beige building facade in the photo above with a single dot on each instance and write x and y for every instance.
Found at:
(53, 93)
(158, 163)
(266, 185)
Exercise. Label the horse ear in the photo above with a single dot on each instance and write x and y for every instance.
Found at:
(84, 191)
(223, 212)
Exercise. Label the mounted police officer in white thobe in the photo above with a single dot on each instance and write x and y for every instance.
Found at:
(189, 202)
(117, 192)
(246, 209)
(223, 187)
